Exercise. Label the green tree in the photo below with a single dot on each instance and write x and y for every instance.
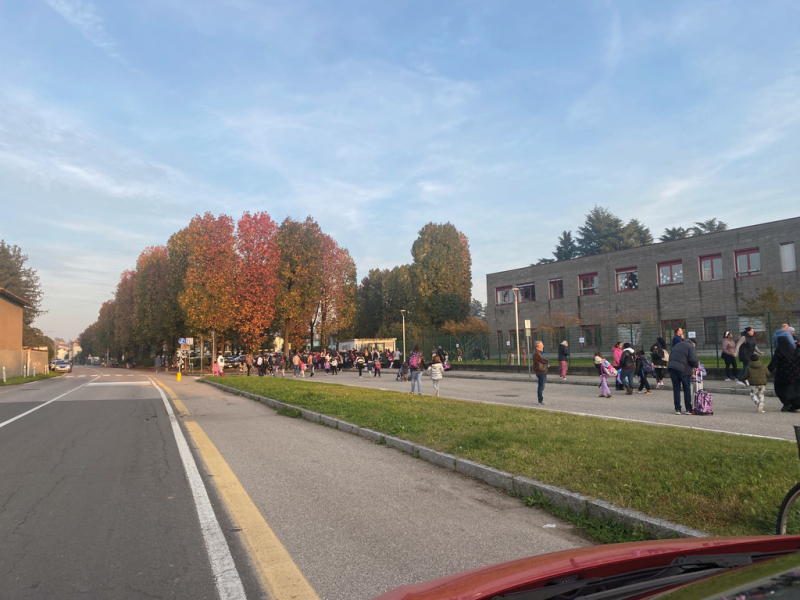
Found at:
(636, 234)
(397, 294)
(125, 325)
(477, 309)
(601, 232)
(709, 226)
(673, 233)
(371, 305)
(441, 275)
(150, 295)
(780, 305)
(567, 248)
(21, 281)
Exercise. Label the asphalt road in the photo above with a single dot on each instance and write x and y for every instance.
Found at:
(732, 414)
(94, 498)
(359, 518)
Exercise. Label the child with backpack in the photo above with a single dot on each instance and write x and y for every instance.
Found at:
(377, 370)
(606, 371)
(643, 368)
(756, 376)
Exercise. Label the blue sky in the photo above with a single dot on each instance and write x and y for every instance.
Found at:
(510, 119)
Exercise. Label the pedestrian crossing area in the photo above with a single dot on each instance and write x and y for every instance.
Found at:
(83, 376)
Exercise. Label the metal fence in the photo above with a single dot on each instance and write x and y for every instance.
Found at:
(585, 340)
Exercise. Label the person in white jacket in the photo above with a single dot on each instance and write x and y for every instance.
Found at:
(436, 371)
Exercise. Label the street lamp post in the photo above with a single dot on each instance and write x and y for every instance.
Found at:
(516, 315)
(403, 312)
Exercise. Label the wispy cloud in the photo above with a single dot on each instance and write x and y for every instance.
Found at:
(83, 16)
(615, 46)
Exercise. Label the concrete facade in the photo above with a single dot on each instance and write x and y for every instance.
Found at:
(694, 282)
(12, 357)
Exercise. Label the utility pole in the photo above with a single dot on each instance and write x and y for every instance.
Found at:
(403, 312)
(516, 314)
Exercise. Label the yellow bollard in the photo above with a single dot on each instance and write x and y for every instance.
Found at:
(179, 375)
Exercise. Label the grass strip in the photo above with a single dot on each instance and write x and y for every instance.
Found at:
(19, 380)
(723, 484)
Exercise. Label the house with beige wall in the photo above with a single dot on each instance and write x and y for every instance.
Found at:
(12, 356)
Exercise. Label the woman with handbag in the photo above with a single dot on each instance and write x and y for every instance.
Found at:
(660, 358)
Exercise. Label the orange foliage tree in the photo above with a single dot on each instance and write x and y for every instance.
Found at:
(256, 278)
(336, 309)
(209, 287)
(300, 274)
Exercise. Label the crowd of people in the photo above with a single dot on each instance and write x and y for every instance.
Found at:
(679, 361)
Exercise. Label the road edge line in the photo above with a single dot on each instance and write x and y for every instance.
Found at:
(520, 486)
(277, 571)
(226, 577)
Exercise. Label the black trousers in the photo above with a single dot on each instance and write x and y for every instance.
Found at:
(730, 366)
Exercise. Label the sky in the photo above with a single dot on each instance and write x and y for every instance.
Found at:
(510, 119)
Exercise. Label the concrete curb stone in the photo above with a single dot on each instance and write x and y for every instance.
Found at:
(515, 484)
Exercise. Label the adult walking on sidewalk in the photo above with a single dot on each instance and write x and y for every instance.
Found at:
(627, 366)
(729, 356)
(745, 348)
(785, 366)
(540, 364)
(682, 360)
(563, 357)
(416, 365)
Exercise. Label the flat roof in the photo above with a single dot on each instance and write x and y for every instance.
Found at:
(13, 298)
(655, 243)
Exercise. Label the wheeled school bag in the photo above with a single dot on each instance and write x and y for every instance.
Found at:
(703, 403)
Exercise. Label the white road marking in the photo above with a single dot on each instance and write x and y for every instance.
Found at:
(4, 423)
(147, 383)
(226, 577)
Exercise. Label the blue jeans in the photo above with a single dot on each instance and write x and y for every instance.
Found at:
(542, 377)
(680, 380)
(626, 377)
(416, 376)
(745, 362)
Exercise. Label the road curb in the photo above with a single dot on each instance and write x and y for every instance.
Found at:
(514, 484)
(733, 391)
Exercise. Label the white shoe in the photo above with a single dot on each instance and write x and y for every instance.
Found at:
(741, 383)
(761, 407)
(727, 379)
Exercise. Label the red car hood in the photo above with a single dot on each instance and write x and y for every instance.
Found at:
(597, 561)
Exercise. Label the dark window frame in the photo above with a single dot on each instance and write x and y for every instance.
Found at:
(503, 289)
(626, 270)
(531, 285)
(550, 288)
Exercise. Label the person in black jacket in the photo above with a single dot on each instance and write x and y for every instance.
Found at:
(682, 360)
(627, 366)
(563, 357)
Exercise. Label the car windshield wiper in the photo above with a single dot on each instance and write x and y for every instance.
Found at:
(681, 570)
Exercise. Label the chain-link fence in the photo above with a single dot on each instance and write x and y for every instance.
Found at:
(584, 340)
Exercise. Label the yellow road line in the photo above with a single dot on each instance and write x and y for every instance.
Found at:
(279, 575)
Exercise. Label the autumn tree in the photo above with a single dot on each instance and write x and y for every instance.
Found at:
(124, 339)
(150, 293)
(177, 265)
(300, 274)
(336, 309)
(256, 278)
(780, 305)
(209, 287)
(441, 274)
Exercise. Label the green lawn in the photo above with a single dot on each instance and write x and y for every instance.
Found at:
(18, 380)
(723, 484)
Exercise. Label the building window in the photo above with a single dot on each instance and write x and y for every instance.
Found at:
(591, 335)
(711, 267)
(714, 328)
(501, 341)
(748, 262)
(556, 289)
(527, 292)
(588, 284)
(788, 264)
(627, 279)
(504, 295)
(670, 273)
(512, 337)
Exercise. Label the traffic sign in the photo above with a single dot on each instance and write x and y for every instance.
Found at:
(527, 323)
(190, 341)
(181, 341)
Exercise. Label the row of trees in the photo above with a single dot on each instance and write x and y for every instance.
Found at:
(23, 281)
(251, 280)
(244, 281)
(603, 231)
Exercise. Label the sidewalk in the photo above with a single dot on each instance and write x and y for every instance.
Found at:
(712, 386)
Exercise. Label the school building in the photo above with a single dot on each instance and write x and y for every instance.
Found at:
(636, 295)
